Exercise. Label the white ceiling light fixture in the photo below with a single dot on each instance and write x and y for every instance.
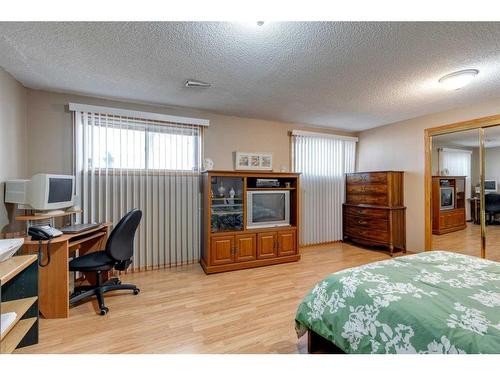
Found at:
(459, 79)
(260, 23)
(195, 83)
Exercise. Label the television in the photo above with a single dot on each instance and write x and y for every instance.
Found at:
(43, 192)
(447, 198)
(268, 208)
(490, 186)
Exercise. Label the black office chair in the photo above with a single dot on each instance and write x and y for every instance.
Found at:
(118, 255)
(492, 203)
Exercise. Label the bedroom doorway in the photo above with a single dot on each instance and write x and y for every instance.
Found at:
(462, 196)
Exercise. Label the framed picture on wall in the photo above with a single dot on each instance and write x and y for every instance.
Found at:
(253, 161)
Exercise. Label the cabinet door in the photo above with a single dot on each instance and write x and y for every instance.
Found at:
(221, 250)
(267, 245)
(245, 248)
(287, 243)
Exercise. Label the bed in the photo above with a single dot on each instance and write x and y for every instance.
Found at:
(432, 302)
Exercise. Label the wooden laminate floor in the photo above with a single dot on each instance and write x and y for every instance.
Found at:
(182, 310)
(468, 241)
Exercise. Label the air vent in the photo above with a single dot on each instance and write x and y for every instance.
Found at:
(193, 83)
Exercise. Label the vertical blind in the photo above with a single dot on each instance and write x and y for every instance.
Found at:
(323, 161)
(123, 163)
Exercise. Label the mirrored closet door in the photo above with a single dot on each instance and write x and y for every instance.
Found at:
(491, 157)
(455, 206)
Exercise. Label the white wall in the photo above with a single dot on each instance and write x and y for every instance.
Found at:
(400, 146)
(12, 140)
(50, 132)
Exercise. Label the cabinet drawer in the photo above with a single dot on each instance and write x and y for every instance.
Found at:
(367, 223)
(366, 189)
(370, 234)
(374, 199)
(363, 178)
(451, 219)
(370, 212)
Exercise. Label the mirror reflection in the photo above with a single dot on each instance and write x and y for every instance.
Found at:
(455, 195)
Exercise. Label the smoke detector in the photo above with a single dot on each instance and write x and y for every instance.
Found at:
(194, 83)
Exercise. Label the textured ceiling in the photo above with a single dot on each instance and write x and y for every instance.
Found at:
(345, 75)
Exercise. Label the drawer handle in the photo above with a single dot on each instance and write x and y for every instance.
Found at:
(362, 222)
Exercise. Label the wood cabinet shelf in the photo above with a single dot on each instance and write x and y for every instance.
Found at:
(19, 294)
(16, 334)
(18, 306)
(269, 188)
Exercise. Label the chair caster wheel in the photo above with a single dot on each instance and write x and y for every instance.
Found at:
(136, 291)
(104, 311)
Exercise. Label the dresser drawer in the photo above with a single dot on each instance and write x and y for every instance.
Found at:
(363, 178)
(366, 223)
(366, 189)
(373, 199)
(369, 212)
(368, 234)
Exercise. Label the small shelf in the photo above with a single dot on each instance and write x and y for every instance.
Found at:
(78, 240)
(223, 198)
(226, 205)
(277, 188)
(19, 306)
(45, 217)
(224, 213)
(16, 334)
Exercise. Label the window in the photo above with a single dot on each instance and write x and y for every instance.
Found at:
(323, 161)
(120, 157)
(134, 144)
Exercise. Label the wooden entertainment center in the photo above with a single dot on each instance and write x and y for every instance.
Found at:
(228, 241)
(448, 216)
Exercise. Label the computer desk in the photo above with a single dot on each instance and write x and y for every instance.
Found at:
(54, 278)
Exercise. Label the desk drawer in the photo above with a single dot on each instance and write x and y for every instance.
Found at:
(373, 199)
(369, 234)
(364, 178)
(366, 223)
(366, 189)
(369, 212)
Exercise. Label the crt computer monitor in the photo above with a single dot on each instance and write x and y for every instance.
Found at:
(43, 192)
(490, 186)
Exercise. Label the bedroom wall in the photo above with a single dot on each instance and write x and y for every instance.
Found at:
(12, 141)
(400, 146)
(50, 132)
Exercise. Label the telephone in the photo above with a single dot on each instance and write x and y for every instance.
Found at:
(42, 233)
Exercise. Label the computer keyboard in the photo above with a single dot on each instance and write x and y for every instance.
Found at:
(77, 228)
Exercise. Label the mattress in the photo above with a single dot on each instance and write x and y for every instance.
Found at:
(432, 302)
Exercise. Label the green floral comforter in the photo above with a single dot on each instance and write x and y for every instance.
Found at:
(432, 302)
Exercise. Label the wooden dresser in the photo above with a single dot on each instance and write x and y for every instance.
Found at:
(374, 212)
